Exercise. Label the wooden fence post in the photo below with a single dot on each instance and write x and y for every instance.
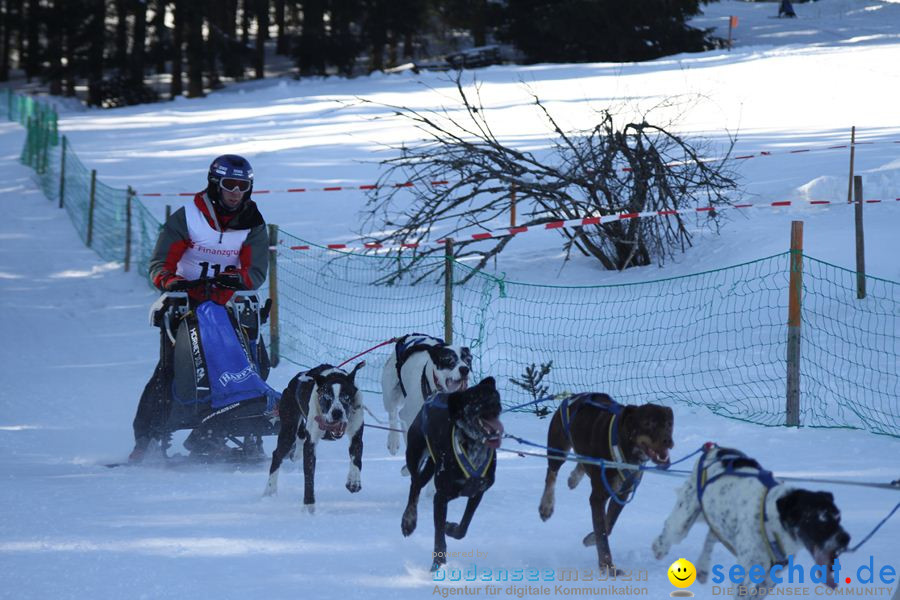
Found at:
(852, 153)
(128, 229)
(93, 201)
(44, 157)
(860, 242)
(62, 173)
(274, 334)
(29, 142)
(794, 320)
(448, 291)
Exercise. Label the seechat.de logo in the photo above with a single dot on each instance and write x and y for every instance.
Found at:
(866, 574)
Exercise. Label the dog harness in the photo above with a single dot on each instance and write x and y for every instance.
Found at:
(568, 410)
(469, 469)
(731, 461)
(406, 347)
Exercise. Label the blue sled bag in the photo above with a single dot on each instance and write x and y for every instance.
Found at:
(212, 362)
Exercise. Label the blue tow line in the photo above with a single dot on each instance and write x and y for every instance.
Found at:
(877, 527)
(602, 463)
(558, 454)
(539, 400)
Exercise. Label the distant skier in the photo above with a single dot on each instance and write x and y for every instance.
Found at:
(220, 237)
(786, 9)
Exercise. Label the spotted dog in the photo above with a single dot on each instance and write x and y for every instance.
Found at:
(454, 439)
(322, 403)
(596, 426)
(760, 520)
(421, 365)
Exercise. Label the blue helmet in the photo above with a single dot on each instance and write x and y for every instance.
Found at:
(228, 167)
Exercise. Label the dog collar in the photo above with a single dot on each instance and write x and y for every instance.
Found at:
(462, 459)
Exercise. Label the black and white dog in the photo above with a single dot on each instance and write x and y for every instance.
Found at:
(420, 366)
(760, 520)
(322, 403)
(454, 438)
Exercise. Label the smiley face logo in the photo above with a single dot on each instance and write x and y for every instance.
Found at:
(682, 573)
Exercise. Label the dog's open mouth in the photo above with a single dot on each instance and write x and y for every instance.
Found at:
(336, 429)
(493, 432)
(826, 558)
(450, 384)
(660, 458)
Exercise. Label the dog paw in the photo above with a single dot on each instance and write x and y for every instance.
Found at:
(437, 564)
(590, 539)
(575, 477)
(354, 483)
(408, 523)
(545, 511)
(310, 508)
(393, 443)
(453, 530)
(702, 576)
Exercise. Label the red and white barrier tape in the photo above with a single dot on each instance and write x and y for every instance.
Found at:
(764, 153)
(370, 187)
(331, 188)
(507, 231)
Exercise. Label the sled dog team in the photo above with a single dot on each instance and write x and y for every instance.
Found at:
(452, 431)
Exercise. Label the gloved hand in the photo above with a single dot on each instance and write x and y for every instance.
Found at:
(230, 280)
(177, 283)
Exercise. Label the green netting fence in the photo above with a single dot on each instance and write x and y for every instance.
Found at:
(716, 339)
(110, 220)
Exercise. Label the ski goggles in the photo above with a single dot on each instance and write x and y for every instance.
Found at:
(230, 184)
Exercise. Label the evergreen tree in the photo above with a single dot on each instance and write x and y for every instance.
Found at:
(8, 25)
(138, 42)
(262, 33)
(175, 88)
(95, 25)
(602, 30)
(161, 40)
(194, 30)
(311, 49)
(344, 43)
(32, 48)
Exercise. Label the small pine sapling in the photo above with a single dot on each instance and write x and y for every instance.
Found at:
(531, 383)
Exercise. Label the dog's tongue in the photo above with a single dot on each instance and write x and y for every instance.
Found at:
(336, 428)
(494, 430)
(826, 559)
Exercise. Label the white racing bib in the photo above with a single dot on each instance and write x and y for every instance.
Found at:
(210, 252)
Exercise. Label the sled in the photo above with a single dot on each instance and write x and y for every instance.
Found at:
(225, 425)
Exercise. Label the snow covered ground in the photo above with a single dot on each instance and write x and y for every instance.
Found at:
(79, 349)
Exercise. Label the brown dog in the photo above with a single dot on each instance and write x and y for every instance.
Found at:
(598, 427)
